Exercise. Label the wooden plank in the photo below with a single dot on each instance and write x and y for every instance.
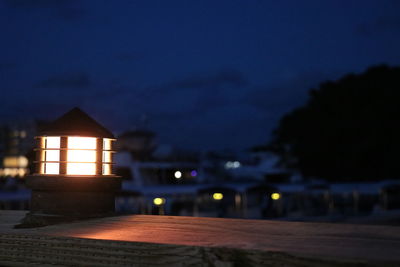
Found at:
(165, 240)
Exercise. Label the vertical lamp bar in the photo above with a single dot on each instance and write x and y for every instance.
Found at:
(99, 156)
(63, 155)
(40, 155)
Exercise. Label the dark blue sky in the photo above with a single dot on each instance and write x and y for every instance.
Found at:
(206, 74)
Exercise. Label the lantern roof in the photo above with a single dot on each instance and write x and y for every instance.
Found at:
(76, 122)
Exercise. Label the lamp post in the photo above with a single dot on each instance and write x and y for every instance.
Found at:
(73, 177)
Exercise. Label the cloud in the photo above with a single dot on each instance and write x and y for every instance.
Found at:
(382, 24)
(67, 80)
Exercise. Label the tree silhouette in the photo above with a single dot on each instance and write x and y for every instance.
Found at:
(349, 130)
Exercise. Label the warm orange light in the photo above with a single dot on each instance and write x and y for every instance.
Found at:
(52, 142)
(107, 144)
(106, 169)
(81, 151)
(81, 155)
(82, 142)
(13, 172)
(107, 158)
(15, 162)
(81, 168)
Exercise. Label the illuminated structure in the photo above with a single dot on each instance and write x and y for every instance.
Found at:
(15, 145)
(14, 166)
(73, 178)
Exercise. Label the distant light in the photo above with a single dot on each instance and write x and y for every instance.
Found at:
(22, 134)
(228, 165)
(218, 196)
(236, 164)
(15, 162)
(193, 173)
(232, 164)
(275, 196)
(13, 172)
(158, 201)
(178, 175)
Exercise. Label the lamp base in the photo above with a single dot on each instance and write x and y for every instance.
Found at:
(57, 199)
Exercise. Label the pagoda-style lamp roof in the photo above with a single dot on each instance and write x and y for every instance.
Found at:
(76, 123)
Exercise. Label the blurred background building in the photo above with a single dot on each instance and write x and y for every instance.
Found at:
(162, 179)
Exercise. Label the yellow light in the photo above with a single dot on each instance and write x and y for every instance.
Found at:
(15, 162)
(218, 196)
(13, 172)
(22, 172)
(275, 196)
(178, 175)
(159, 201)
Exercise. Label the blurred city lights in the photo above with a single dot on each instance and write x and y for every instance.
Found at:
(158, 201)
(178, 175)
(232, 165)
(275, 196)
(218, 196)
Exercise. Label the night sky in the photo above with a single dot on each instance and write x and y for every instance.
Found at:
(202, 74)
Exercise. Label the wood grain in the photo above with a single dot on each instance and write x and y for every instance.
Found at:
(142, 240)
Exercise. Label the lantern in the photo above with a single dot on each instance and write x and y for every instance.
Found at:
(74, 177)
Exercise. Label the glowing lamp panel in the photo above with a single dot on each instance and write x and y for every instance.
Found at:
(52, 155)
(81, 156)
(107, 156)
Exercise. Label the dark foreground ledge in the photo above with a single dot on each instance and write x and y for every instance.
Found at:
(141, 240)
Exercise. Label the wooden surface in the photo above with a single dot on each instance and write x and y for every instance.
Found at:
(182, 241)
